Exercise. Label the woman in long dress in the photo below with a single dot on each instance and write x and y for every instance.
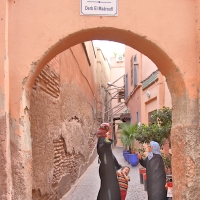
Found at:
(155, 171)
(109, 189)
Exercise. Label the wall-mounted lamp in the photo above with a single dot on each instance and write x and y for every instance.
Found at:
(109, 84)
(148, 93)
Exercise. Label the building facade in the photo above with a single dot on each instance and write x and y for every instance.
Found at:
(146, 89)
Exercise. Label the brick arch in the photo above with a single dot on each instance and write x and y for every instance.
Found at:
(141, 43)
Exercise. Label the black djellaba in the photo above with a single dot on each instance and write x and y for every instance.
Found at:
(156, 177)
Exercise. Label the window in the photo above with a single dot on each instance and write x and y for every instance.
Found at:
(150, 120)
(132, 71)
(137, 117)
(120, 96)
(120, 125)
(135, 58)
(126, 92)
(135, 75)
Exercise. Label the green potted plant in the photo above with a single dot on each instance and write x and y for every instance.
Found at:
(125, 145)
(127, 138)
(158, 131)
(128, 135)
(167, 163)
(142, 170)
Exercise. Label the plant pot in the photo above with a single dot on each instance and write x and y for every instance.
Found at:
(133, 159)
(141, 172)
(128, 157)
(169, 190)
(145, 181)
(124, 154)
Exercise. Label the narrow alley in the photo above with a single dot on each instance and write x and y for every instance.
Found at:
(87, 187)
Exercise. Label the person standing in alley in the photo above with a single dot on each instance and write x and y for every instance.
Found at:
(123, 180)
(155, 171)
(109, 189)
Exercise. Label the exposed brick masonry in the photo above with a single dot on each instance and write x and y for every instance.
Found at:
(60, 160)
(48, 81)
(65, 163)
(2, 157)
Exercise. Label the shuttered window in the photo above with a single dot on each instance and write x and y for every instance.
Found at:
(132, 71)
(135, 75)
(126, 86)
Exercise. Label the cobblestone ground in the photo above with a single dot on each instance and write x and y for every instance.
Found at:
(87, 187)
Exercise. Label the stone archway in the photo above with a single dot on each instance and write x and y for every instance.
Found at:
(157, 29)
(175, 82)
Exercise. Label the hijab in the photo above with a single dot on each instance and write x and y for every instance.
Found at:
(155, 149)
(103, 129)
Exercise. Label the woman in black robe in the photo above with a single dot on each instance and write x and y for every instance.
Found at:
(109, 189)
(155, 171)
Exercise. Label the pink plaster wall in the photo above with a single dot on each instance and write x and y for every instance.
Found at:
(129, 53)
(103, 69)
(92, 57)
(134, 105)
(2, 52)
(159, 90)
(159, 93)
(150, 106)
(82, 74)
(168, 99)
(34, 39)
(147, 67)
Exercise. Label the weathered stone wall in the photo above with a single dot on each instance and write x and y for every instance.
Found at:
(63, 128)
(2, 157)
(186, 170)
(5, 165)
(44, 127)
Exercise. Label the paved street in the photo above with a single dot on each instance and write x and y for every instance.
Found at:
(87, 187)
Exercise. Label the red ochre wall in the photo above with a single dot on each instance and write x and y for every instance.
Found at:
(63, 124)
